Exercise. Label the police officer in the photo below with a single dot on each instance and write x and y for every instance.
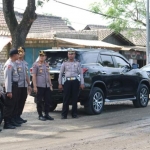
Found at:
(72, 69)
(42, 85)
(11, 78)
(23, 83)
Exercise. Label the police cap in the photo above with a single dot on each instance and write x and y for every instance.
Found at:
(42, 53)
(71, 51)
(21, 50)
(13, 52)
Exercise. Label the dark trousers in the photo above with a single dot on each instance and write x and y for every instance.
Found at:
(43, 94)
(11, 105)
(71, 88)
(22, 99)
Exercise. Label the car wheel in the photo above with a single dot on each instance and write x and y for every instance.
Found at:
(95, 103)
(142, 97)
(1, 114)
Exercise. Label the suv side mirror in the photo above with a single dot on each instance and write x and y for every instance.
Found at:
(135, 66)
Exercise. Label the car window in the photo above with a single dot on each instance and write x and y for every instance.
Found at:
(89, 57)
(120, 62)
(107, 61)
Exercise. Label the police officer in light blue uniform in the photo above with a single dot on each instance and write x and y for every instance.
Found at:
(42, 85)
(23, 83)
(72, 69)
(11, 78)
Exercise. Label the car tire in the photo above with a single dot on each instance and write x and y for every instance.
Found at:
(1, 114)
(95, 103)
(142, 97)
(52, 106)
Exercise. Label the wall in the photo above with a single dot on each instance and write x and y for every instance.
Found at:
(3, 59)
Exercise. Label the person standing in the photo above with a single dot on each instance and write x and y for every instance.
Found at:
(72, 69)
(11, 78)
(23, 83)
(42, 85)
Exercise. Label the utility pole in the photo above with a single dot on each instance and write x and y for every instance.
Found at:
(147, 35)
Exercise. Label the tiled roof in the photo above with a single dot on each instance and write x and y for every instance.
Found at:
(94, 27)
(41, 24)
(104, 33)
(138, 38)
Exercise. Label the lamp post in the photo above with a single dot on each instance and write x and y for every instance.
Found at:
(147, 35)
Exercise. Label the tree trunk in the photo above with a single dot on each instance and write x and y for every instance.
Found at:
(19, 31)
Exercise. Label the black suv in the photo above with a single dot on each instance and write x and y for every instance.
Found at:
(108, 77)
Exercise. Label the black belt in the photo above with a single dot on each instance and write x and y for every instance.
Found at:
(71, 78)
(14, 83)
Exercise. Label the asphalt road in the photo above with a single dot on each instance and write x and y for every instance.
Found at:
(119, 127)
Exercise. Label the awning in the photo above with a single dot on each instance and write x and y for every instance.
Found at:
(4, 40)
(87, 43)
(136, 48)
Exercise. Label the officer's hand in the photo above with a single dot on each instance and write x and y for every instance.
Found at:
(51, 87)
(82, 86)
(9, 95)
(60, 87)
(35, 89)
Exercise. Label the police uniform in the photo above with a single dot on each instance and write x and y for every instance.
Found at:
(22, 68)
(11, 78)
(71, 85)
(41, 70)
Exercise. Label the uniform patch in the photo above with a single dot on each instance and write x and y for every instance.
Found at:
(19, 69)
(9, 66)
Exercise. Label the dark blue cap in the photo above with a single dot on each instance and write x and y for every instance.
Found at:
(13, 52)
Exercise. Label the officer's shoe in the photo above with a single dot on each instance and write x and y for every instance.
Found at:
(0, 130)
(7, 125)
(63, 117)
(14, 123)
(20, 119)
(42, 118)
(48, 117)
(75, 116)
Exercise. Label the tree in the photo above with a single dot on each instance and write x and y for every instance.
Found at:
(20, 30)
(122, 14)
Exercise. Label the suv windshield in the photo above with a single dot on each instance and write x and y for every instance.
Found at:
(55, 59)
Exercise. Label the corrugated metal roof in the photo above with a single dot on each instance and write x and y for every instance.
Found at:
(90, 43)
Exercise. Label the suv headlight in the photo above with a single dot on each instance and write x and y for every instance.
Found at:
(148, 73)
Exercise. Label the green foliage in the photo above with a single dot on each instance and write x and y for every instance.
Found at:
(122, 14)
(41, 2)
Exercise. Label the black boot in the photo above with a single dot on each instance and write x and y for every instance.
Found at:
(7, 125)
(0, 130)
(17, 120)
(42, 118)
(48, 117)
(22, 120)
(14, 123)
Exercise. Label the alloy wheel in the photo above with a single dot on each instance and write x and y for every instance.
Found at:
(98, 101)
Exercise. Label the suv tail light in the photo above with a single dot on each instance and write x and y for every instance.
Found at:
(84, 70)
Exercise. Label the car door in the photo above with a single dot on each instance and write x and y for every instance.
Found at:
(111, 76)
(129, 79)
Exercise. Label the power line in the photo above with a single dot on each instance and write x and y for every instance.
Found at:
(84, 9)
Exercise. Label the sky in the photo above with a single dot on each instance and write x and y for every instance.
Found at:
(78, 18)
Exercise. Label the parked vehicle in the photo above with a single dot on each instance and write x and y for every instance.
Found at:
(108, 77)
(147, 69)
